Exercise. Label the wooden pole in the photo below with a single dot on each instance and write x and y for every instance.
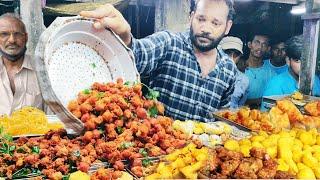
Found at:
(137, 18)
(31, 14)
(309, 55)
(172, 15)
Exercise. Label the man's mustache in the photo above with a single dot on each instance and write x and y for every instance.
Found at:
(204, 35)
(12, 45)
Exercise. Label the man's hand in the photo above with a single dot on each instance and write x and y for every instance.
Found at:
(107, 16)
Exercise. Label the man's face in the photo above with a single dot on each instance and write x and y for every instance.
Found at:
(209, 24)
(259, 46)
(279, 52)
(13, 38)
(236, 58)
(295, 65)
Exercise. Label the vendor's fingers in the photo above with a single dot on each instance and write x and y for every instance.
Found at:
(107, 22)
(100, 12)
(97, 25)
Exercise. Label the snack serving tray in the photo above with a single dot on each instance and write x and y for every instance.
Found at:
(217, 116)
(270, 101)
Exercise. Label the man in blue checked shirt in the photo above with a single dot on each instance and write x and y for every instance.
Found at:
(193, 75)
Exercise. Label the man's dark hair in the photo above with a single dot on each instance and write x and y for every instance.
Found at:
(253, 35)
(275, 41)
(294, 47)
(231, 13)
(15, 17)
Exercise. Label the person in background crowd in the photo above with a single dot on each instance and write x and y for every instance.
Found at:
(257, 73)
(288, 81)
(193, 75)
(19, 85)
(277, 62)
(233, 46)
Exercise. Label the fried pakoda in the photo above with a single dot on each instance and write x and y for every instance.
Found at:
(288, 107)
(279, 118)
(313, 108)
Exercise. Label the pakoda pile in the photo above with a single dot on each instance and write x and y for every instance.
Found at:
(121, 125)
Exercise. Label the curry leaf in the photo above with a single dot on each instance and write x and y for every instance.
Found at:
(8, 137)
(143, 152)
(66, 177)
(35, 149)
(126, 145)
(153, 111)
(86, 91)
(127, 83)
(119, 130)
(93, 65)
(12, 148)
(146, 162)
(24, 172)
(152, 94)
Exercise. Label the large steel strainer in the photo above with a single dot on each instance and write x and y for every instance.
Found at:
(71, 55)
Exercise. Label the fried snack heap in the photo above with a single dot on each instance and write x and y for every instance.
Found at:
(253, 119)
(120, 125)
(224, 164)
(130, 123)
(297, 119)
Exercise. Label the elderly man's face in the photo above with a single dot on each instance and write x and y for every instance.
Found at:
(209, 24)
(13, 37)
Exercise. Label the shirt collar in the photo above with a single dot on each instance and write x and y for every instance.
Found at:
(27, 63)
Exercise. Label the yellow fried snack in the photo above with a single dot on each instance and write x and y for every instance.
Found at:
(288, 107)
(313, 108)
(28, 120)
(297, 95)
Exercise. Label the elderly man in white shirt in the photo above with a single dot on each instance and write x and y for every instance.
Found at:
(19, 86)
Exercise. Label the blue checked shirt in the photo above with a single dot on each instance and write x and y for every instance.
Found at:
(168, 60)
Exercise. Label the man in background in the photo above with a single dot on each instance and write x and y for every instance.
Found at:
(288, 81)
(19, 85)
(257, 73)
(233, 46)
(277, 61)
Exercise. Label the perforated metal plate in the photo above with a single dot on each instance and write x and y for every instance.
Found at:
(71, 56)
